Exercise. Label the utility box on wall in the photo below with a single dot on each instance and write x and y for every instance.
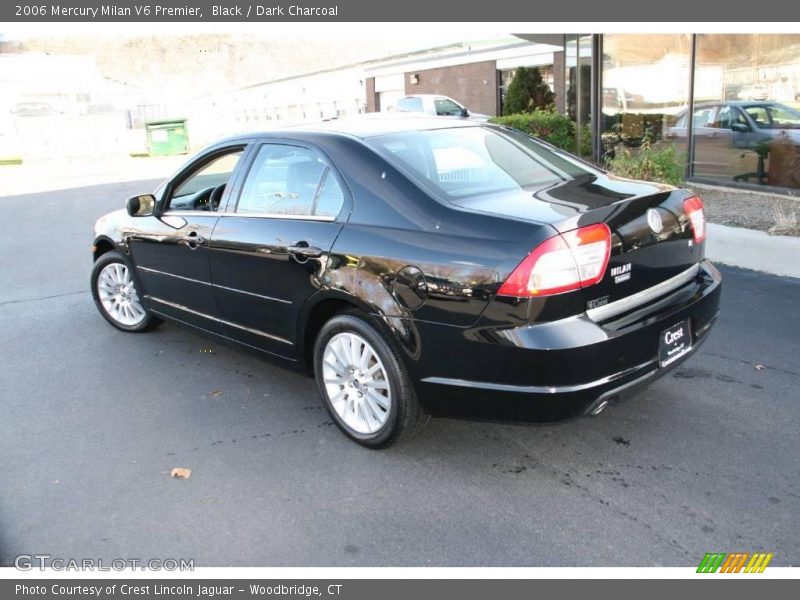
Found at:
(167, 137)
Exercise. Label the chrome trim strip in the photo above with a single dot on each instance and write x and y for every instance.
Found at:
(216, 285)
(157, 272)
(537, 389)
(225, 337)
(230, 289)
(601, 313)
(207, 213)
(218, 320)
(189, 213)
(279, 216)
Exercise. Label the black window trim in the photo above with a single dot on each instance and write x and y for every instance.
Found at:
(191, 167)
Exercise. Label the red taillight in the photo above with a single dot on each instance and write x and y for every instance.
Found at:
(693, 207)
(563, 263)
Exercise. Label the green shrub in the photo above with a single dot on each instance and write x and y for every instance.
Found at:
(652, 163)
(527, 92)
(547, 125)
(586, 141)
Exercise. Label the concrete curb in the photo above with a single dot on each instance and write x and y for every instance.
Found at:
(751, 249)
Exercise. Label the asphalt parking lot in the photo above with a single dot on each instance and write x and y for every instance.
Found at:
(92, 420)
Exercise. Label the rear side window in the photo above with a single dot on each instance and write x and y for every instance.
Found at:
(467, 161)
(290, 180)
(330, 198)
(723, 120)
(410, 104)
(704, 117)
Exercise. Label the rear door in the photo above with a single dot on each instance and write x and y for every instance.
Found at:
(270, 248)
(712, 144)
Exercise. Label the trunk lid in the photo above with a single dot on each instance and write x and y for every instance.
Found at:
(651, 236)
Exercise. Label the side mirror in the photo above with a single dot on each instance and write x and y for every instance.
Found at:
(464, 112)
(141, 206)
(740, 127)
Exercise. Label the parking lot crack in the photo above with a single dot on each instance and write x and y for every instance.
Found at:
(558, 473)
(751, 364)
(41, 298)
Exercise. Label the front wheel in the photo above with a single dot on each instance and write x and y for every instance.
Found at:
(363, 383)
(116, 295)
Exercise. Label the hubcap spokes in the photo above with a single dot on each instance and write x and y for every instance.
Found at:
(118, 295)
(356, 383)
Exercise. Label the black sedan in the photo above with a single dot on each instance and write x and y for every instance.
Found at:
(419, 267)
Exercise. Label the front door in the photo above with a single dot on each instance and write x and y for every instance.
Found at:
(172, 258)
(270, 248)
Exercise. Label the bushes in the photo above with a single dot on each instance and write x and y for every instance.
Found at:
(527, 92)
(549, 126)
(662, 163)
(651, 163)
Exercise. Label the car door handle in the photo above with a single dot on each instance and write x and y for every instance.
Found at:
(193, 238)
(305, 251)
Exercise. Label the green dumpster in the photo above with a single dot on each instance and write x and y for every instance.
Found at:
(167, 136)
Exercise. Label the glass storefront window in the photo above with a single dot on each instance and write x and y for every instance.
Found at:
(747, 109)
(644, 89)
(578, 65)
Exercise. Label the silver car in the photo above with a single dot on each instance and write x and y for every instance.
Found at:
(733, 139)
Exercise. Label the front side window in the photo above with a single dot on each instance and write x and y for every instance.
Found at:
(202, 189)
(759, 115)
(739, 118)
(774, 116)
(290, 180)
(446, 107)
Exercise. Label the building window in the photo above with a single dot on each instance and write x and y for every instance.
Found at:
(644, 91)
(746, 122)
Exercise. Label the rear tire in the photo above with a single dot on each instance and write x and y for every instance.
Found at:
(115, 290)
(364, 384)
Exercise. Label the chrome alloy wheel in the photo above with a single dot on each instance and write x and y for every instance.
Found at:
(118, 296)
(356, 383)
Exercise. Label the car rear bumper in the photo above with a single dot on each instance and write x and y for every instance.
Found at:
(562, 369)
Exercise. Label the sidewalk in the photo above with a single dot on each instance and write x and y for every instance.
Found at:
(751, 249)
(37, 176)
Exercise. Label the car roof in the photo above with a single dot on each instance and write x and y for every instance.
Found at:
(366, 126)
(740, 103)
(426, 96)
(737, 103)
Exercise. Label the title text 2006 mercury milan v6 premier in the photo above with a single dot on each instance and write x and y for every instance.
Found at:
(419, 267)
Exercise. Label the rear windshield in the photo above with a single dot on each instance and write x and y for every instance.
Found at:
(469, 161)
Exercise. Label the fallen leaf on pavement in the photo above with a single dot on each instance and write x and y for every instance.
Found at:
(181, 473)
